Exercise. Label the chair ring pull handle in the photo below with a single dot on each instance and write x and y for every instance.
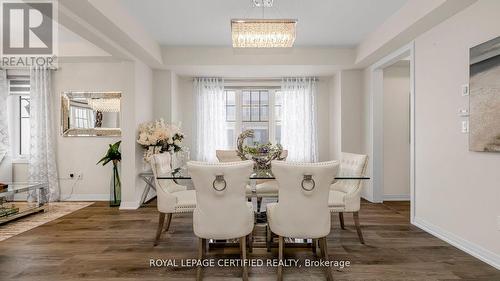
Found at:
(219, 178)
(308, 178)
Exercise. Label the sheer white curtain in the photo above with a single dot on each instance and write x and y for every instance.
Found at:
(5, 159)
(42, 161)
(298, 125)
(4, 128)
(211, 131)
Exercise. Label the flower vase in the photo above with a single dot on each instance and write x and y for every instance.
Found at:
(150, 151)
(115, 186)
(173, 160)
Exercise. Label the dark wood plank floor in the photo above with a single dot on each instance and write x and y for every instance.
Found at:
(100, 243)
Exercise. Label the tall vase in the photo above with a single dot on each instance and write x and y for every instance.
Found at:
(173, 160)
(115, 186)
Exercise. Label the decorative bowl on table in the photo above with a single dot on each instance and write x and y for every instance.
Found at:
(261, 154)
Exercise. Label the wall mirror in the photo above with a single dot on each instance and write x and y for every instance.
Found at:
(90, 114)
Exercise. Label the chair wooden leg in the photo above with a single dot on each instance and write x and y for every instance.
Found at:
(341, 218)
(161, 219)
(201, 252)
(250, 242)
(280, 256)
(313, 245)
(167, 224)
(243, 258)
(269, 238)
(324, 253)
(358, 227)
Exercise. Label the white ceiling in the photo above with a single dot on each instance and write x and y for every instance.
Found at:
(207, 22)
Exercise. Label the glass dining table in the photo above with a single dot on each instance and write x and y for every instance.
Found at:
(262, 175)
(260, 239)
(180, 174)
(183, 174)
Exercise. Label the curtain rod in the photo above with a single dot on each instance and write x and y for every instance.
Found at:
(26, 68)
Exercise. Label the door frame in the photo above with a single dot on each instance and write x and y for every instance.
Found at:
(376, 120)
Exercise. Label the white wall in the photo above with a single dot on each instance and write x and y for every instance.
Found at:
(396, 122)
(351, 88)
(162, 94)
(143, 105)
(80, 154)
(457, 191)
(346, 113)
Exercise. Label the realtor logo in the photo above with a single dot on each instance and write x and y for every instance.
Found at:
(27, 28)
(28, 32)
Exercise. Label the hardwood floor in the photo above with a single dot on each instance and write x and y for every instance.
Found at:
(100, 243)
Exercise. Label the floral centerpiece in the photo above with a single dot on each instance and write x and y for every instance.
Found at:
(261, 154)
(158, 136)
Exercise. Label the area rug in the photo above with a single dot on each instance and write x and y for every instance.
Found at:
(55, 211)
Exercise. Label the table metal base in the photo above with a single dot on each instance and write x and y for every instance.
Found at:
(148, 178)
(24, 213)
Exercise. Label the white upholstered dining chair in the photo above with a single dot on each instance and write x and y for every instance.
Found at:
(222, 211)
(345, 195)
(171, 197)
(302, 209)
(263, 187)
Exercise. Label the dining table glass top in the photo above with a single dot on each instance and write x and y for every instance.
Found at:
(183, 174)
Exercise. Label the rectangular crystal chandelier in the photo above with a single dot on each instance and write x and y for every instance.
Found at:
(263, 33)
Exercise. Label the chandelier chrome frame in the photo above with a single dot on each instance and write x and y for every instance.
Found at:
(263, 3)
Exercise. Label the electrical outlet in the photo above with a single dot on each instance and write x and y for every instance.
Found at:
(75, 175)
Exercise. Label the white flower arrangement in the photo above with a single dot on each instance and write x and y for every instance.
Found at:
(158, 136)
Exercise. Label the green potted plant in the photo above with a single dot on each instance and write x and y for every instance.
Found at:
(114, 155)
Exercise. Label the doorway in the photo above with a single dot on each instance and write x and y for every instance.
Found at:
(376, 126)
(396, 131)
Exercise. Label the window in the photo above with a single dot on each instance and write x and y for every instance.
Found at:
(24, 125)
(19, 103)
(250, 109)
(82, 117)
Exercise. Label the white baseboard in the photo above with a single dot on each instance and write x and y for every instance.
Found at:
(472, 249)
(85, 197)
(129, 205)
(396, 197)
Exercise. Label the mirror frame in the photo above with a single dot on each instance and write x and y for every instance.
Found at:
(66, 131)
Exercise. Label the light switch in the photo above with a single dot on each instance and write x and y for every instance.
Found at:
(498, 223)
(465, 90)
(465, 126)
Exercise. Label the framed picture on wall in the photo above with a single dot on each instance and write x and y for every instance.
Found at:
(484, 88)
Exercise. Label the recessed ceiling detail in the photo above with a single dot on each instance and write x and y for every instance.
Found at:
(321, 23)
